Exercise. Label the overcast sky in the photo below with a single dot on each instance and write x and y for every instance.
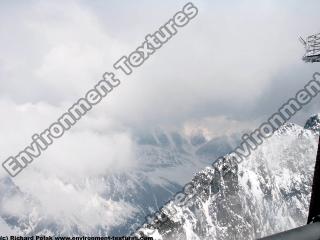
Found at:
(239, 59)
(230, 68)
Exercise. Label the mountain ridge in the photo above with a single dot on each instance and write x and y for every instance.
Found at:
(269, 192)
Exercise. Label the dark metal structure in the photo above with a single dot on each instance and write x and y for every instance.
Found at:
(308, 232)
(312, 45)
(314, 209)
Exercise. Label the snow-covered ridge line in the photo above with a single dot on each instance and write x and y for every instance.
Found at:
(266, 194)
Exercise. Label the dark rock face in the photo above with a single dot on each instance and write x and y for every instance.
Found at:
(313, 123)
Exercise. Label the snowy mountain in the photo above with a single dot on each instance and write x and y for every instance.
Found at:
(267, 193)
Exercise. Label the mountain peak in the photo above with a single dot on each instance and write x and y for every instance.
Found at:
(313, 123)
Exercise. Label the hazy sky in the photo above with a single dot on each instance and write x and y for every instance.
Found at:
(239, 59)
(228, 69)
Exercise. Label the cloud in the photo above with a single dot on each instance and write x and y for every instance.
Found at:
(49, 200)
(225, 60)
(232, 65)
(66, 184)
(5, 229)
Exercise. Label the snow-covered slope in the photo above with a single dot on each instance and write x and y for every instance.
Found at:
(267, 193)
